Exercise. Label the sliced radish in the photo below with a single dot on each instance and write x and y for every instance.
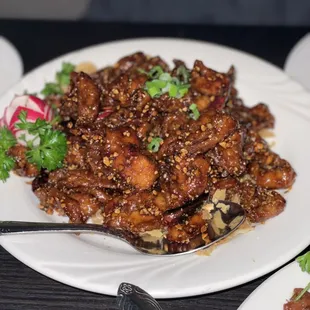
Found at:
(40, 103)
(35, 108)
(31, 116)
(28, 101)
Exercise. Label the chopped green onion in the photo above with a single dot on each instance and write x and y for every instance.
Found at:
(159, 83)
(183, 90)
(173, 90)
(165, 77)
(175, 81)
(162, 82)
(155, 87)
(195, 112)
(154, 145)
(142, 71)
(184, 73)
(155, 72)
(154, 91)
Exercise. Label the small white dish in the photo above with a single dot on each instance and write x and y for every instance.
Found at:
(277, 290)
(11, 65)
(297, 64)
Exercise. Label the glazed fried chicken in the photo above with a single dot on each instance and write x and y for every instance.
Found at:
(109, 167)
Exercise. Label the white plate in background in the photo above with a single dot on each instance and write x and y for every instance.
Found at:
(273, 293)
(11, 65)
(297, 64)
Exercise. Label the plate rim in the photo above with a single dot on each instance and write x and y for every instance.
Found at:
(282, 270)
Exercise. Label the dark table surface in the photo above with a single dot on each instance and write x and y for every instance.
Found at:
(38, 42)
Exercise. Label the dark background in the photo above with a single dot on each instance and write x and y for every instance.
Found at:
(217, 12)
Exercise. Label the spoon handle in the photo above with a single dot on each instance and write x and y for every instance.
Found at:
(132, 297)
(13, 227)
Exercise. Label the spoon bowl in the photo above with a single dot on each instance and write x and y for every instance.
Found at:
(225, 217)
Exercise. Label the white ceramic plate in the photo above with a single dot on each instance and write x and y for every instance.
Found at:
(277, 290)
(296, 64)
(11, 65)
(100, 264)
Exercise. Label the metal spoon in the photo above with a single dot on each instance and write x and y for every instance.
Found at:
(224, 218)
(132, 297)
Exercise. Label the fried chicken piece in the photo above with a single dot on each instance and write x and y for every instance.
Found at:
(22, 166)
(139, 170)
(184, 180)
(76, 152)
(78, 206)
(201, 135)
(213, 85)
(143, 210)
(82, 101)
(267, 168)
(189, 229)
(121, 89)
(71, 179)
(138, 211)
(228, 154)
(256, 118)
(302, 304)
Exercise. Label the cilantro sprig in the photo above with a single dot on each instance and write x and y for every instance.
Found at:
(62, 80)
(162, 82)
(7, 163)
(48, 147)
(304, 263)
(7, 139)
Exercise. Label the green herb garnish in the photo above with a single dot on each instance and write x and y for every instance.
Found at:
(162, 82)
(62, 81)
(51, 89)
(302, 293)
(184, 73)
(155, 72)
(7, 139)
(154, 145)
(51, 150)
(304, 263)
(195, 112)
(7, 163)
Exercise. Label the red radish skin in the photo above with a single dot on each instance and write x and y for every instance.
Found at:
(35, 108)
(41, 104)
(31, 116)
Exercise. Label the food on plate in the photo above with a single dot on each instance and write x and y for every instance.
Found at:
(301, 297)
(145, 143)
